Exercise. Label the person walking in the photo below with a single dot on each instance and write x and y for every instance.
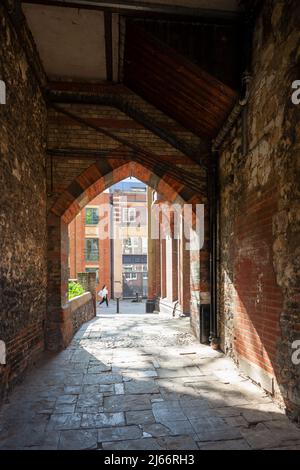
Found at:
(104, 294)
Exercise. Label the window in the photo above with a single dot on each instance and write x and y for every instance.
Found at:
(131, 276)
(128, 269)
(137, 189)
(91, 249)
(129, 214)
(145, 275)
(134, 259)
(93, 270)
(91, 216)
(131, 245)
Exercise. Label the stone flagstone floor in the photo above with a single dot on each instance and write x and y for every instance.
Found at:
(141, 382)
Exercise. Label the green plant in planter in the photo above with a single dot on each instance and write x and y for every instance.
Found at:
(75, 289)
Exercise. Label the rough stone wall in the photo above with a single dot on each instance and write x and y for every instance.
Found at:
(259, 211)
(22, 210)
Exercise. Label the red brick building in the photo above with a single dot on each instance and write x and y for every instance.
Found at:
(88, 251)
(110, 237)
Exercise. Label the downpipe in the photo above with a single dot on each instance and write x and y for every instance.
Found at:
(214, 198)
(213, 217)
(239, 107)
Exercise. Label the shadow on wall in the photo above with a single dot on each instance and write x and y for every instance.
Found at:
(254, 337)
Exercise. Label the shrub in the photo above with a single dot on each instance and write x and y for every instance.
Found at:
(75, 289)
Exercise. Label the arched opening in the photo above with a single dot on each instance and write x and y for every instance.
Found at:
(169, 257)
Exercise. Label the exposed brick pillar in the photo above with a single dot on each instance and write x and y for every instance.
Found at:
(184, 274)
(174, 270)
(157, 271)
(72, 246)
(153, 260)
(81, 242)
(163, 267)
(58, 328)
(88, 282)
(174, 260)
(199, 276)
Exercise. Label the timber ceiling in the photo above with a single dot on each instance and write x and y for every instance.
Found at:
(181, 56)
(176, 86)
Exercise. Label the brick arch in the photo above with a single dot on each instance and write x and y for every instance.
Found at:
(103, 174)
(85, 187)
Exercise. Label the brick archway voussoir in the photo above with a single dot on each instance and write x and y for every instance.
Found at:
(97, 178)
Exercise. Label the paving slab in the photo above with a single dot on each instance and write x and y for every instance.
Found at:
(139, 386)
(180, 427)
(141, 381)
(138, 444)
(64, 421)
(235, 444)
(139, 417)
(48, 441)
(78, 440)
(63, 408)
(168, 411)
(226, 433)
(156, 429)
(89, 403)
(66, 399)
(177, 443)
(101, 420)
(102, 378)
(260, 437)
(72, 389)
(127, 403)
(119, 433)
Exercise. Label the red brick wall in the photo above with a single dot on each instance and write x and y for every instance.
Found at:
(259, 299)
(22, 351)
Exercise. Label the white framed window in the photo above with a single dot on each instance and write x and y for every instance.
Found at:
(128, 268)
(131, 245)
(131, 276)
(129, 214)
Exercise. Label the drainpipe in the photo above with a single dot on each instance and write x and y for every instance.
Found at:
(112, 239)
(240, 107)
(213, 199)
(233, 116)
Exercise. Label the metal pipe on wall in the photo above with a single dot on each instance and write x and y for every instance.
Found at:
(240, 107)
(213, 201)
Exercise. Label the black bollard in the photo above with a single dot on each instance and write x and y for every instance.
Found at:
(118, 309)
